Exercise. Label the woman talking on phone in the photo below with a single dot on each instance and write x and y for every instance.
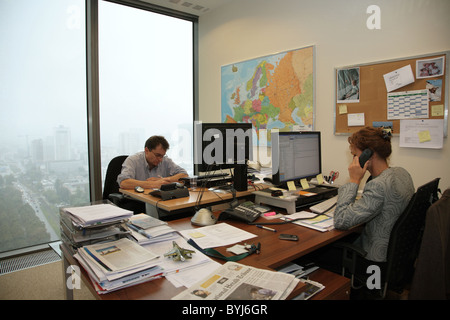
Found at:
(386, 193)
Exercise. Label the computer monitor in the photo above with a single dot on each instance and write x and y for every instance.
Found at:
(295, 156)
(221, 145)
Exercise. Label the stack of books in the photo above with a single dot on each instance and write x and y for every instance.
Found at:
(92, 224)
(118, 264)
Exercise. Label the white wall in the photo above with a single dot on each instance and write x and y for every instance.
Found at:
(246, 29)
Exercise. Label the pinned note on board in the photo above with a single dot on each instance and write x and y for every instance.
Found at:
(424, 133)
(343, 109)
(437, 110)
(355, 119)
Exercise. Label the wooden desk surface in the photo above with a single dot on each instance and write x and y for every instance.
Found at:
(276, 252)
(208, 197)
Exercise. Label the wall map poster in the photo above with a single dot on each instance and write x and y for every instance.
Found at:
(271, 92)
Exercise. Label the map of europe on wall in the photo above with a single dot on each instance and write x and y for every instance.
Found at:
(271, 92)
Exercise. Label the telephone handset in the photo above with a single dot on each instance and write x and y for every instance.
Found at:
(365, 155)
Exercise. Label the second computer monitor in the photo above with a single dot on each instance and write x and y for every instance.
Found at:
(221, 145)
(295, 156)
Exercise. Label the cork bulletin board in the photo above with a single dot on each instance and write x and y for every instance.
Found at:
(369, 94)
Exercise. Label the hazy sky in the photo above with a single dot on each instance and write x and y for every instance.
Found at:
(42, 65)
(145, 70)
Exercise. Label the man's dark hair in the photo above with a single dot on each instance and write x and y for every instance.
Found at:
(155, 141)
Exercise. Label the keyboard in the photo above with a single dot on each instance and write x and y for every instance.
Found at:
(326, 206)
(213, 175)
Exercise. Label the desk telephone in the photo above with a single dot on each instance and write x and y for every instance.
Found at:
(246, 211)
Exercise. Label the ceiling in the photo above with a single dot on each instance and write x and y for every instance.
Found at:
(195, 7)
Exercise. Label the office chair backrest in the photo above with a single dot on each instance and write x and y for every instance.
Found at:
(113, 170)
(406, 236)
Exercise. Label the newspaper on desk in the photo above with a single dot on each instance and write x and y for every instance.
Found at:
(234, 281)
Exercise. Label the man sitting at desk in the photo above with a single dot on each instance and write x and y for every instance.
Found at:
(150, 168)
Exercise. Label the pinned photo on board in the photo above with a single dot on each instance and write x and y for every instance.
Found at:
(348, 86)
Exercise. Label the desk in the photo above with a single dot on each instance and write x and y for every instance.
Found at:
(274, 253)
(173, 205)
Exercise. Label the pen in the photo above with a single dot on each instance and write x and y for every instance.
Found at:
(266, 228)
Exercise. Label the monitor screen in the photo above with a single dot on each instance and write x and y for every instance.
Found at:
(221, 145)
(295, 155)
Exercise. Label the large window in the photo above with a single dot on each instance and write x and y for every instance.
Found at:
(43, 154)
(146, 82)
(145, 70)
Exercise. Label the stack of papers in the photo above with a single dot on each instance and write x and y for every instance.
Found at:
(297, 270)
(118, 264)
(183, 273)
(217, 235)
(86, 225)
(312, 220)
(146, 229)
(97, 214)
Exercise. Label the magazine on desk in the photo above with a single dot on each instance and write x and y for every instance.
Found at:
(146, 229)
(234, 281)
(119, 281)
(117, 264)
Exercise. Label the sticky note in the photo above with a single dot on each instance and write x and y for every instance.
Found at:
(196, 234)
(237, 249)
(342, 109)
(319, 178)
(424, 136)
(304, 183)
(291, 186)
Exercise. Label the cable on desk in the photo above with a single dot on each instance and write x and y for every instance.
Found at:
(202, 185)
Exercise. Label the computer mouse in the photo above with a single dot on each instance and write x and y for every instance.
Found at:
(139, 189)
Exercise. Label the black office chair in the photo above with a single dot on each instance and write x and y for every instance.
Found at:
(403, 248)
(111, 188)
